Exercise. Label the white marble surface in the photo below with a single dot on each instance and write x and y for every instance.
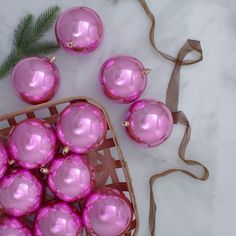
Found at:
(186, 207)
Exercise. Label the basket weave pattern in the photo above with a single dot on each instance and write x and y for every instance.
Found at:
(111, 167)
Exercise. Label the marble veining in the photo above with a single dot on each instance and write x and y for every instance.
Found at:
(186, 207)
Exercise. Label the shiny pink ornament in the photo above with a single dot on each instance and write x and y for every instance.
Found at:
(35, 79)
(3, 160)
(58, 220)
(123, 78)
(107, 212)
(32, 143)
(81, 127)
(71, 178)
(149, 122)
(79, 30)
(20, 193)
(13, 227)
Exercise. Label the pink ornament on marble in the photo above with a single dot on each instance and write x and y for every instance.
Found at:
(107, 212)
(123, 78)
(81, 127)
(13, 227)
(149, 122)
(3, 160)
(32, 143)
(20, 193)
(35, 79)
(79, 30)
(58, 220)
(71, 178)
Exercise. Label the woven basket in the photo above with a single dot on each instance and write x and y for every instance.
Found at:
(111, 167)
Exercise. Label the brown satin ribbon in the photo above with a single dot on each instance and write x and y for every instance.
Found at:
(152, 38)
(172, 98)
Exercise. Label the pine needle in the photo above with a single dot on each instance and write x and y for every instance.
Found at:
(42, 48)
(22, 31)
(9, 62)
(45, 22)
(26, 40)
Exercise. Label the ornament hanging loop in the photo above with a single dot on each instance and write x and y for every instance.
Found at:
(125, 123)
(146, 71)
(11, 162)
(44, 170)
(53, 59)
(65, 150)
(70, 44)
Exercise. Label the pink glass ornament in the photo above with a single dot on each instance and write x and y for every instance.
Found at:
(81, 127)
(71, 178)
(3, 160)
(20, 193)
(13, 227)
(32, 143)
(123, 78)
(107, 212)
(79, 30)
(58, 220)
(149, 122)
(35, 79)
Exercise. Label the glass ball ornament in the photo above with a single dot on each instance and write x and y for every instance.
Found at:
(35, 79)
(58, 220)
(13, 227)
(123, 78)
(149, 122)
(72, 177)
(79, 30)
(32, 143)
(3, 160)
(107, 212)
(81, 127)
(20, 193)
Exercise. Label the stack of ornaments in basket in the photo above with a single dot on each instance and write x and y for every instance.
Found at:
(32, 145)
(81, 127)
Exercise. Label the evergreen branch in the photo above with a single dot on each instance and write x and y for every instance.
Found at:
(26, 39)
(22, 32)
(42, 48)
(45, 21)
(9, 62)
